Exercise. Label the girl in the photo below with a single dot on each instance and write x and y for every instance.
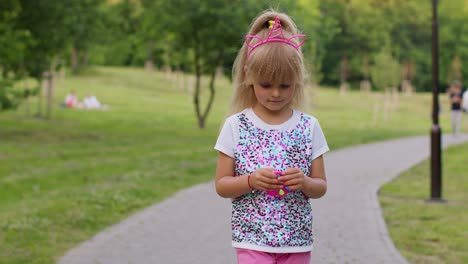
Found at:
(270, 155)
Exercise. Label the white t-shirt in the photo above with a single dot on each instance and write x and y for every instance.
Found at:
(229, 134)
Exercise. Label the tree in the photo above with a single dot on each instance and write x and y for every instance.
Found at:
(84, 24)
(319, 29)
(213, 31)
(386, 71)
(454, 73)
(362, 31)
(453, 36)
(120, 44)
(13, 45)
(153, 33)
(410, 37)
(44, 20)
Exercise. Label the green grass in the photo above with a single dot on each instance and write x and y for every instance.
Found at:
(430, 232)
(63, 180)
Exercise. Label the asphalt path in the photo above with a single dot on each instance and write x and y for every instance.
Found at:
(193, 226)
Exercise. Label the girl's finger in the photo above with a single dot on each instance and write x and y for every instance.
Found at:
(270, 175)
(291, 171)
(289, 177)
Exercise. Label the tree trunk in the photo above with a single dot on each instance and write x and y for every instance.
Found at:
(84, 59)
(196, 94)
(344, 86)
(42, 87)
(201, 123)
(49, 80)
(74, 60)
(201, 117)
(149, 63)
(365, 87)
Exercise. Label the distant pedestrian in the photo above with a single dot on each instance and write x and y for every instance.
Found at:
(270, 160)
(455, 96)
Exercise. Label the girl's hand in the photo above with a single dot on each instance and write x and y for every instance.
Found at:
(265, 179)
(294, 178)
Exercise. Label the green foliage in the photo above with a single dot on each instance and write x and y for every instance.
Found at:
(8, 99)
(319, 29)
(208, 28)
(13, 46)
(84, 22)
(386, 71)
(453, 38)
(118, 43)
(45, 22)
(366, 25)
(35, 35)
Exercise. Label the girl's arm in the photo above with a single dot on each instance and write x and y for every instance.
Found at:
(228, 186)
(313, 186)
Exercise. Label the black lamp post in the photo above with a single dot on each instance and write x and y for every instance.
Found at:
(436, 166)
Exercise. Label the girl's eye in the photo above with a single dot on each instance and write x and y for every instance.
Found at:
(284, 86)
(265, 84)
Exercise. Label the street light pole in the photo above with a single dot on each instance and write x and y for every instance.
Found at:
(436, 166)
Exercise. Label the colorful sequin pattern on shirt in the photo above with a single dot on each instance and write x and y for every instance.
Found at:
(261, 219)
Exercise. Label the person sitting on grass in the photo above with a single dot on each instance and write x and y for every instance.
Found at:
(71, 100)
(91, 102)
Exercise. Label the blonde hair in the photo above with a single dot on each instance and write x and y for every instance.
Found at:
(274, 61)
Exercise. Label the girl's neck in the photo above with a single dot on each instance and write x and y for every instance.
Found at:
(272, 117)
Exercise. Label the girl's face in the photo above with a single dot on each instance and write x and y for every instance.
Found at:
(273, 97)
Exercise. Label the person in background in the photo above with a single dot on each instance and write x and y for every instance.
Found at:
(455, 97)
(91, 102)
(71, 100)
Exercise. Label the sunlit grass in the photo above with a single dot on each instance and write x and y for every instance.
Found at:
(63, 180)
(430, 232)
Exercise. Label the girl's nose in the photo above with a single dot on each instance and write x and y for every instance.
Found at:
(276, 92)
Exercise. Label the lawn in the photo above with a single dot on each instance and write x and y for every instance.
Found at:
(63, 180)
(430, 232)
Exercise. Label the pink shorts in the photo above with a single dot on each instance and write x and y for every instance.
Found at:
(247, 256)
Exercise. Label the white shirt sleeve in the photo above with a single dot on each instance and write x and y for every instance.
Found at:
(227, 138)
(465, 100)
(319, 143)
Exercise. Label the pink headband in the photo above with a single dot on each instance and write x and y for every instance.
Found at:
(275, 35)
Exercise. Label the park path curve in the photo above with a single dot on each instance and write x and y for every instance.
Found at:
(192, 227)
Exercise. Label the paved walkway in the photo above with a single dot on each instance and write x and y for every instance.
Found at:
(192, 227)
